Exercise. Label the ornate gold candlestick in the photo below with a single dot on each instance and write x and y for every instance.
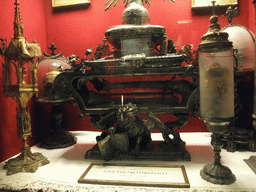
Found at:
(19, 57)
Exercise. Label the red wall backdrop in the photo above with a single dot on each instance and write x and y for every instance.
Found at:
(75, 31)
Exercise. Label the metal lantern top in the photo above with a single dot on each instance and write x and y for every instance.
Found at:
(136, 35)
(136, 14)
(243, 41)
(215, 37)
(49, 66)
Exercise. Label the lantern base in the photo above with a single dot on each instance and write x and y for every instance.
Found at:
(25, 162)
(217, 174)
(58, 139)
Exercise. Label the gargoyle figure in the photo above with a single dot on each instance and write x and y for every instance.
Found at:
(161, 42)
(171, 47)
(136, 129)
(232, 13)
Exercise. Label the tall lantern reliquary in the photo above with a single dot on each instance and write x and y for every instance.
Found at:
(20, 83)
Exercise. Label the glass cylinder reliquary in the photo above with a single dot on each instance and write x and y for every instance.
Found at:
(216, 83)
(216, 71)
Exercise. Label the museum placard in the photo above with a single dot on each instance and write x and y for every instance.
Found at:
(207, 3)
(137, 175)
(60, 3)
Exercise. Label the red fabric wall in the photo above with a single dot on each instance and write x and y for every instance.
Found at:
(75, 31)
(251, 17)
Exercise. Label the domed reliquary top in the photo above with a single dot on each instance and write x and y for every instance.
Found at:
(136, 35)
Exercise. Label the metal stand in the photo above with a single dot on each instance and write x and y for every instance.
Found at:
(58, 137)
(216, 173)
(26, 161)
(243, 137)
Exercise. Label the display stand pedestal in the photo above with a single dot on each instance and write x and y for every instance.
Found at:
(160, 151)
(25, 161)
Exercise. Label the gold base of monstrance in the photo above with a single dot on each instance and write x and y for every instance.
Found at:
(26, 161)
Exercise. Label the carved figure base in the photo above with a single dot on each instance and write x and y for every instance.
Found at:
(160, 151)
(25, 162)
(217, 174)
(58, 139)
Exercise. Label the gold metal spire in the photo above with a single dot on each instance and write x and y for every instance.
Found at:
(18, 25)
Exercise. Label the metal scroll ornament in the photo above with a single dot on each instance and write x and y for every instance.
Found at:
(20, 56)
